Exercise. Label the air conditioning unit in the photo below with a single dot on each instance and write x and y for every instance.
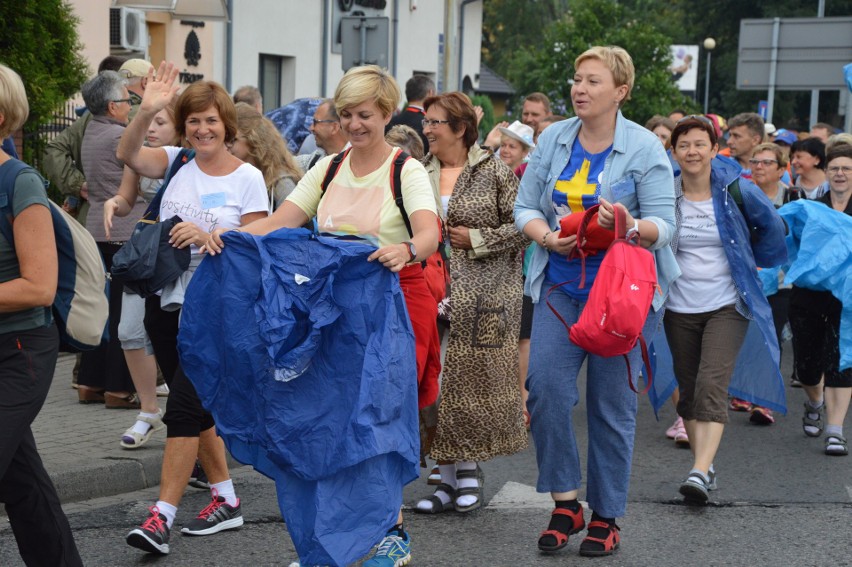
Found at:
(128, 29)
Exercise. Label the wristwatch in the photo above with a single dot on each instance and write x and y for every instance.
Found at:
(412, 251)
(633, 230)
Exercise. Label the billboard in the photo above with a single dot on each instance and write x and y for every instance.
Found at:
(684, 68)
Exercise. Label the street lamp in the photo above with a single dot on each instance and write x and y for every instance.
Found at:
(709, 46)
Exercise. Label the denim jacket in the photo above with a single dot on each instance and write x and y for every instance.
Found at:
(636, 174)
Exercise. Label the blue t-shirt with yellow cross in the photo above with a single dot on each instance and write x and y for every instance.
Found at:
(577, 189)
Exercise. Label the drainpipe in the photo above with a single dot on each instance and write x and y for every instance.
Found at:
(325, 49)
(229, 44)
(395, 35)
(461, 40)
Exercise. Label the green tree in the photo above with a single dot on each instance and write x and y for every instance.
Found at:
(547, 65)
(487, 122)
(40, 42)
(504, 32)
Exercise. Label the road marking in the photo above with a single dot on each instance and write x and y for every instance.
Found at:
(514, 495)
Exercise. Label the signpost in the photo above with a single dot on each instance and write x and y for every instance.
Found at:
(793, 54)
(364, 41)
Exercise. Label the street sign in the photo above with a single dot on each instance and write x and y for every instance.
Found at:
(811, 53)
(762, 108)
(364, 41)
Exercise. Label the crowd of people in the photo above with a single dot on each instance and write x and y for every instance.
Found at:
(722, 206)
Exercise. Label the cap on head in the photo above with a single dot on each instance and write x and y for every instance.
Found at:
(135, 68)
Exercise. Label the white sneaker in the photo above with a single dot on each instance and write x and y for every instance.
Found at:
(163, 390)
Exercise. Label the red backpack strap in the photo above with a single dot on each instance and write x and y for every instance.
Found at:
(396, 186)
(581, 238)
(646, 359)
(333, 168)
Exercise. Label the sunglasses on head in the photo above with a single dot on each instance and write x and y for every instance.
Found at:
(700, 117)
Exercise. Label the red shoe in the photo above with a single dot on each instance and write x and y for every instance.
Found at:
(737, 404)
(597, 547)
(578, 524)
(761, 416)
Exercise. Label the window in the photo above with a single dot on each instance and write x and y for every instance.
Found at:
(269, 82)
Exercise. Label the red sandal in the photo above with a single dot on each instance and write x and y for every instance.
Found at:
(562, 538)
(591, 545)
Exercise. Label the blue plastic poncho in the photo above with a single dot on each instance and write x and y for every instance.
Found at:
(820, 251)
(304, 354)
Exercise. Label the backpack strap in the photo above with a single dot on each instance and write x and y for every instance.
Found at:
(152, 213)
(396, 185)
(9, 172)
(333, 168)
(737, 194)
(647, 360)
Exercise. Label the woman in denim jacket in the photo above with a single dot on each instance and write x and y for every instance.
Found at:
(598, 157)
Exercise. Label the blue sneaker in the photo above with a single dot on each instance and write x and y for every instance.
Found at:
(393, 551)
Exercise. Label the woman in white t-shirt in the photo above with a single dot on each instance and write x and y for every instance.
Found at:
(710, 305)
(213, 189)
(359, 201)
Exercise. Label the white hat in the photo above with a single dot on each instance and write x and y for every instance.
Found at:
(133, 68)
(520, 132)
(769, 127)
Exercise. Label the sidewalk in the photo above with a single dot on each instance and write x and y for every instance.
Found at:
(79, 444)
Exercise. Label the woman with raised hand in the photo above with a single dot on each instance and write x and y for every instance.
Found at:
(212, 189)
(480, 412)
(598, 157)
(360, 202)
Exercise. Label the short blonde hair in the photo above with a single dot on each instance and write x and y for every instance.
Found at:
(775, 149)
(367, 83)
(617, 60)
(13, 101)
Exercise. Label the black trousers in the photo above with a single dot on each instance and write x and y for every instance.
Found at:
(185, 416)
(815, 320)
(27, 363)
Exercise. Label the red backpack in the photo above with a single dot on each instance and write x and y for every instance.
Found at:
(618, 304)
(436, 271)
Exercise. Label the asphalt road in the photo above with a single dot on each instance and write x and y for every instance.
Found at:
(781, 502)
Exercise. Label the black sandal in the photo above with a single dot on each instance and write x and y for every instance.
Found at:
(438, 505)
(470, 490)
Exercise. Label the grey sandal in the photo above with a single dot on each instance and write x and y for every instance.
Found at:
(438, 505)
(470, 490)
(836, 445)
(810, 422)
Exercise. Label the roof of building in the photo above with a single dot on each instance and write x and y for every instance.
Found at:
(492, 83)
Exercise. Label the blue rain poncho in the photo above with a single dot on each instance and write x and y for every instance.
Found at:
(820, 251)
(304, 354)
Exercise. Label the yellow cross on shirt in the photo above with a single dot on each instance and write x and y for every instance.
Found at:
(578, 186)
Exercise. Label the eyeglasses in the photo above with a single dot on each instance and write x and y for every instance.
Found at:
(432, 123)
(763, 162)
(315, 121)
(844, 169)
(127, 100)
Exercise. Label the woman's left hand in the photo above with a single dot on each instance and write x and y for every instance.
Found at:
(393, 257)
(460, 237)
(606, 215)
(185, 233)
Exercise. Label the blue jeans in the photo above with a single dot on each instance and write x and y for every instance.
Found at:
(610, 407)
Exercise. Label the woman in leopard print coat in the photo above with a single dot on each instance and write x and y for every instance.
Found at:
(480, 412)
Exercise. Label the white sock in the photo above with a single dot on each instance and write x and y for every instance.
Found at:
(836, 430)
(467, 499)
(815, 406)
(168, 511)
(142, 427)
(225, 489)
(448, 474)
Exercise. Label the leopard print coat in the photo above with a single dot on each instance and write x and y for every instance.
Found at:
(480, 414)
